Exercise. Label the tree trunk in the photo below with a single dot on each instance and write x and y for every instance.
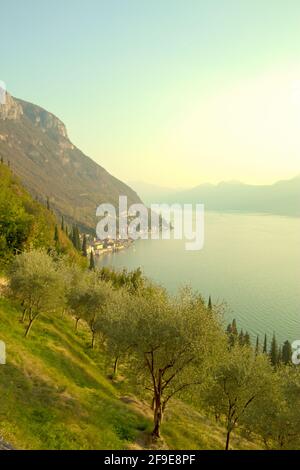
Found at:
(93, 340)
(24, 315)
(153, 403)
(227, 440)
(158, 414)
(76, 323)
(29, 327)
(116, 365)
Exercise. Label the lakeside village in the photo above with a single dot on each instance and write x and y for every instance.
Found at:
(99, 247)
(96, 245)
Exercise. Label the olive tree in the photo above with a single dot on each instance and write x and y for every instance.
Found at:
(276, 417)
(35, 280)
(118, 326)
(173, 341)
(94, 304)
(239, 381)
(76, 292)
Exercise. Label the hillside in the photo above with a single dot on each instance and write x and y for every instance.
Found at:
(37, 145)
(56, 394)
(25, 223)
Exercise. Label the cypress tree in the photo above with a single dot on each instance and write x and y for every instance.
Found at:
(62, 223)
(56, 236)
(84, 246)
(48, 204)
(274, 352)
(76, 238)
(209, 305)
(247, 341)
(232, 333)
(234, 327)
(241, 338)
(72, 235)
(287, 352)
(92, 262)
(257, 345)
(265, 348)
(279, 359)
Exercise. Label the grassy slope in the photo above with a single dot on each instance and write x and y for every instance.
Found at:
(55, 394)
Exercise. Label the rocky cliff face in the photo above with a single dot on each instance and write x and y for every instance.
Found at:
(11, 109)
(44, 120)
(37, 145)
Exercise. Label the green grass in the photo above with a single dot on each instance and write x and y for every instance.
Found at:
(56, 394)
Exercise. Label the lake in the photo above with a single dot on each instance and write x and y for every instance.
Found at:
(250, 261)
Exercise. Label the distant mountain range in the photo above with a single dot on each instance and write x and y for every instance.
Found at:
(152, 193)
(50, 166)
(282, 198)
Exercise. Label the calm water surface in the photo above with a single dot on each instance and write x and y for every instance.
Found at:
(250, 261)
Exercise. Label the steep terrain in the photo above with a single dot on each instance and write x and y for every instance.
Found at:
(37, 145)
(56, 394)
(25, 223)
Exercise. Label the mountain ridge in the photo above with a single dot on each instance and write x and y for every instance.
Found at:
(281, 197)
(36, 144)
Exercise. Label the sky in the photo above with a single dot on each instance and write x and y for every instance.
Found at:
(171, 92)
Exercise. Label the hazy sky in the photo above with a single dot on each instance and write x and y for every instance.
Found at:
(171, 92)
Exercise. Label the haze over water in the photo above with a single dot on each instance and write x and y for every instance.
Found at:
(250, 261)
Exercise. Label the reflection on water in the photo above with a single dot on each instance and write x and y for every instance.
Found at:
(250, 261)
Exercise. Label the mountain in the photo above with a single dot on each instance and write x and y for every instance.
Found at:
(282, 198)
(36, 144)
(151, 193)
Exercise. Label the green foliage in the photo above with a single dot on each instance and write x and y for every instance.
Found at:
(257, 346)
(287, 352)
(232, 333)
(87, 299)
(265, 347)
(173, 344)
(239, 380)
(119, 327)
(75, 238)
(16, 224)
(36, 282)
(165, 346)
(25, 223)
(84, 246)
(55, 393)
(276, 416)
(274, 351)
(132, 281)
(92, 262)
